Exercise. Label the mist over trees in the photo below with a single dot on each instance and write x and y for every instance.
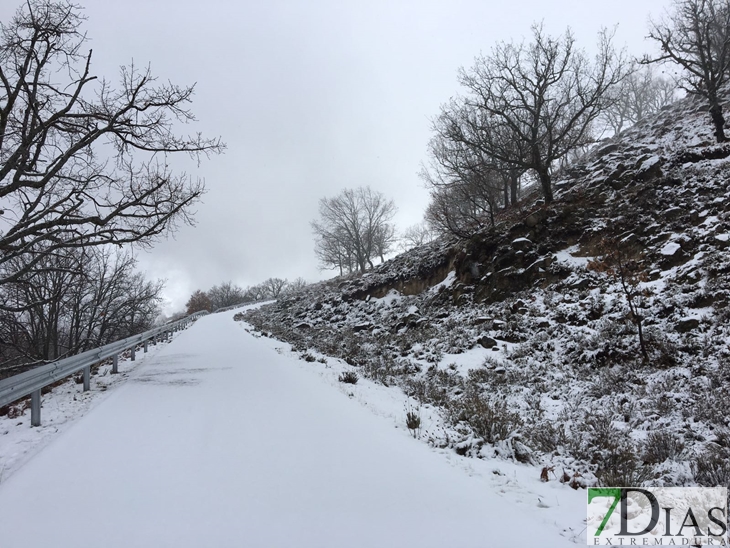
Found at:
(354, 228)
(640, 94)
(696, 37)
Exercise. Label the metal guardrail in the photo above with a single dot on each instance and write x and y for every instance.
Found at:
(33, 381)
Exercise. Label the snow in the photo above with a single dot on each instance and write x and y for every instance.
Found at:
(393, 296)
(18, 441)
(670, 248)
(567, 256)
(649, 163)
(222, 438)
(473, 358)
(446, 282)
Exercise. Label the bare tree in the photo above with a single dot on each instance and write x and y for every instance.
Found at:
(333, 249)
(225, 294)
(417, 235)
(384, 239)
(255, 293)
(82, 162)
(464, 206)
(79, 300)
(198, 302)
(528, 105)
(696, 36)
(274, 287)
(297, 285)
(623, 263)
(353, 228)
(640, 94)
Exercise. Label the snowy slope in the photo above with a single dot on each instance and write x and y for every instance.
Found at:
(522, 337)
(221, 440)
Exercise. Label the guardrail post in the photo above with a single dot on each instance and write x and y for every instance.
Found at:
(115, 364)
(35, 408)
(145, 346)
(134, 349)
(87, 378)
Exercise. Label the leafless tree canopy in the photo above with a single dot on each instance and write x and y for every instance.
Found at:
(354, 227)
(297, 285)
(639, 95)
(529, 105)
(417, 235)
(696, 36)
(225, 294)
(274, 287)
(82, 160)
(464, 205)
(82, 299)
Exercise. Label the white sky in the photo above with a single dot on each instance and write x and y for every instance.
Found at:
(312, 97)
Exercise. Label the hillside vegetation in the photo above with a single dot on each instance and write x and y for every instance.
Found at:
(526, 337)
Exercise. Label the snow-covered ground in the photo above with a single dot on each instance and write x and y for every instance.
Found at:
(223, 438)
(60, 409)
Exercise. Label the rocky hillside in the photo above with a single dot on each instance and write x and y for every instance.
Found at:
(526, 337)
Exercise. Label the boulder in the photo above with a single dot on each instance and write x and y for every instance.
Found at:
(487, 342)
(580, 284)
(685, 325)
(536, 218)
(672, 255)
(521, 244)
(651, 168)
(608, 149)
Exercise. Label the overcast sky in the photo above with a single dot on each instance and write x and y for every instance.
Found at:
(312, 97)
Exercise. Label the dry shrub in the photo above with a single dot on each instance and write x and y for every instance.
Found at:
(547, 435)
(491, 420)
(662, 446)
(349, 377)
(712, 467)
(619, 467)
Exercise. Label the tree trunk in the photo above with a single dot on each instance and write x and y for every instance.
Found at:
(547, 186)
(514, 184)
(506, 195)
(642, 343)
(718, 120)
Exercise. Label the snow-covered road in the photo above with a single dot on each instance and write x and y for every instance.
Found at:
(218, 441)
